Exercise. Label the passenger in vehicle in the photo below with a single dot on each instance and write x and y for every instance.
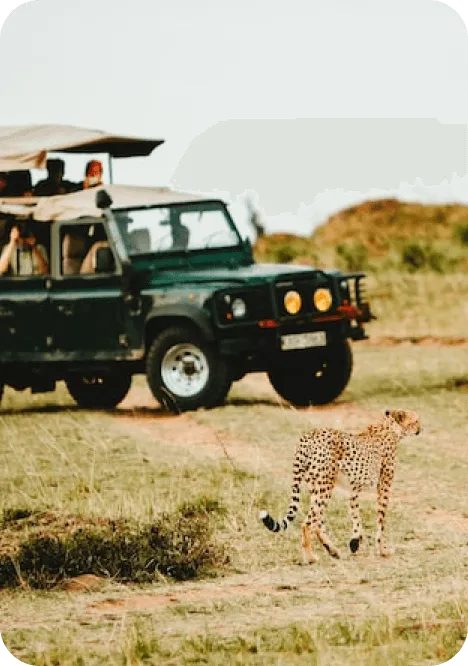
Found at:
(54, 183)
(89, 262)
(97, 238)
(93, 174)
(23, 255)
(179, 232)
(3, 185)
(19, 184)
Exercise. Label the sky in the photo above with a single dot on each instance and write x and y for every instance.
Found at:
(305, 106)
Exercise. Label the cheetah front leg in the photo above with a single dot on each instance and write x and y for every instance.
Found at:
(356, 520)
(383, 496)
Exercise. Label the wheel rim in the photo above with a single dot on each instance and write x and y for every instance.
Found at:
(185, 370)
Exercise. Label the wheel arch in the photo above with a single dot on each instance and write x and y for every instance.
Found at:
(178, 315)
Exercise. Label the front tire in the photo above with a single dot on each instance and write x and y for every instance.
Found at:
(185, 372)
(99, 391)
(315, 381)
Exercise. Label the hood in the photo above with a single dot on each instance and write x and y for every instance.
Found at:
(224, 276)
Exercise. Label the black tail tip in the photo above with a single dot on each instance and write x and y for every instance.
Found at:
(267, 520)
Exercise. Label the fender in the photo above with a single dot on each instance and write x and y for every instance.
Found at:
(192, 312)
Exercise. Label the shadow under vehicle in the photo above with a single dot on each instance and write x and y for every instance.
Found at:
(160, 282)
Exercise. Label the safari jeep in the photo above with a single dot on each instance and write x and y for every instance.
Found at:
(158, 282)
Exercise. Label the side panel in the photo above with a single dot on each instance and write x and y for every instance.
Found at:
(91, 318)
(25, 323)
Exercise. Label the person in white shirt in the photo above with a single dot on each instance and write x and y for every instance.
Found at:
(23, 255)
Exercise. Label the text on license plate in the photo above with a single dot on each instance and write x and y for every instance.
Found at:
(303, 340)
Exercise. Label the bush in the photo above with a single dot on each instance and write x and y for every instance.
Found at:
(417, 256)
(460, 234)
(179, 545)
(353, 256)
(413, 257)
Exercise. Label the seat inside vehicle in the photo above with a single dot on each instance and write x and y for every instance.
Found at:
(74, 248)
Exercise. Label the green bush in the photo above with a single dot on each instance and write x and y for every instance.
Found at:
(353, 256)
(460, 234)
(285, 254)
(179, 545)
(419, 256)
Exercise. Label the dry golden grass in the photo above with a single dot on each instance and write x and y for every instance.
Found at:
(265, 608)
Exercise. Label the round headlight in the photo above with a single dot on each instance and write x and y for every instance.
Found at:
(322, 299)
(292, 302)
(238, 308)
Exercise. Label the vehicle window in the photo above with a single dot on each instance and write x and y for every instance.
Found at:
(80, 244)
(175, 228)
(25, 248)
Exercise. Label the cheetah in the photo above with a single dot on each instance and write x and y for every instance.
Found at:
(365, 460)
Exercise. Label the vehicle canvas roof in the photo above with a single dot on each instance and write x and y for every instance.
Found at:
(83, 203)
(26, 146)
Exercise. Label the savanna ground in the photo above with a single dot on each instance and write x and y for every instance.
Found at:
(256, 604)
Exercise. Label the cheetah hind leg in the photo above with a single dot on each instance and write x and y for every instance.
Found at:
(308, 556)
(322, 533)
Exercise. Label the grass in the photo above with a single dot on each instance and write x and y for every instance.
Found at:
(135, 467)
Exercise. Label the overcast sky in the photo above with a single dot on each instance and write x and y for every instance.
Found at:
(256, 94)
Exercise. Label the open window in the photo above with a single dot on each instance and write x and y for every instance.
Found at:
(29, 256)
(85, 250)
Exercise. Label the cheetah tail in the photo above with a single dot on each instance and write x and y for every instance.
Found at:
(275, 526)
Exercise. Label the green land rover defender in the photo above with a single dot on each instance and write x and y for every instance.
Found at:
(160, 282)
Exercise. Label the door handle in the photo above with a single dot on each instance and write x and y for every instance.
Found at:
(64, 309)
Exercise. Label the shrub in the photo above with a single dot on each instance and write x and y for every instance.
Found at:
(413, 257)
(460, 234)
(179, 545)
(354, 255)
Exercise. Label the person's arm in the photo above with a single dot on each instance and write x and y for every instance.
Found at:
(40, 254)
(8, 250)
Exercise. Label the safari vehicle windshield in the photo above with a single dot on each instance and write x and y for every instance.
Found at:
(180, 227)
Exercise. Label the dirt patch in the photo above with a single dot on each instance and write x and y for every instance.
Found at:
(139, 411)
(454, 521)
(225, 591)
(422, 340)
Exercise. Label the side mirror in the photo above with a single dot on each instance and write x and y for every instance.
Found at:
(103, 200)
(105, 262)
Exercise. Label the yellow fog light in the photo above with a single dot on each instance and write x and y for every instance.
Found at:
(322, 299)
(292, 302)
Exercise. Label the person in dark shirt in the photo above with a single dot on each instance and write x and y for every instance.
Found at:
(54, 183)
(3, 184)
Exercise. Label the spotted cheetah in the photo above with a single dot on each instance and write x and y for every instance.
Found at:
(365, 460)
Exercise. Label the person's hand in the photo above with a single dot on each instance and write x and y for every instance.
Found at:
(14, 234)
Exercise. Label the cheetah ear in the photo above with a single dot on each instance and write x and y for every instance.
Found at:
(387, 412)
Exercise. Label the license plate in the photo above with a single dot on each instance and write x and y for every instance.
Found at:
(303, 340)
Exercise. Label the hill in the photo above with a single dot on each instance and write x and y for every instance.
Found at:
(384, 234)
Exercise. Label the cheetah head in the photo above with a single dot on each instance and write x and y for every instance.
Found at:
(407, 420)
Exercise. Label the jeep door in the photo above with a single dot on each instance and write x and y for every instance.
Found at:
(25, 326)
(24, 317)
(90, 319)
